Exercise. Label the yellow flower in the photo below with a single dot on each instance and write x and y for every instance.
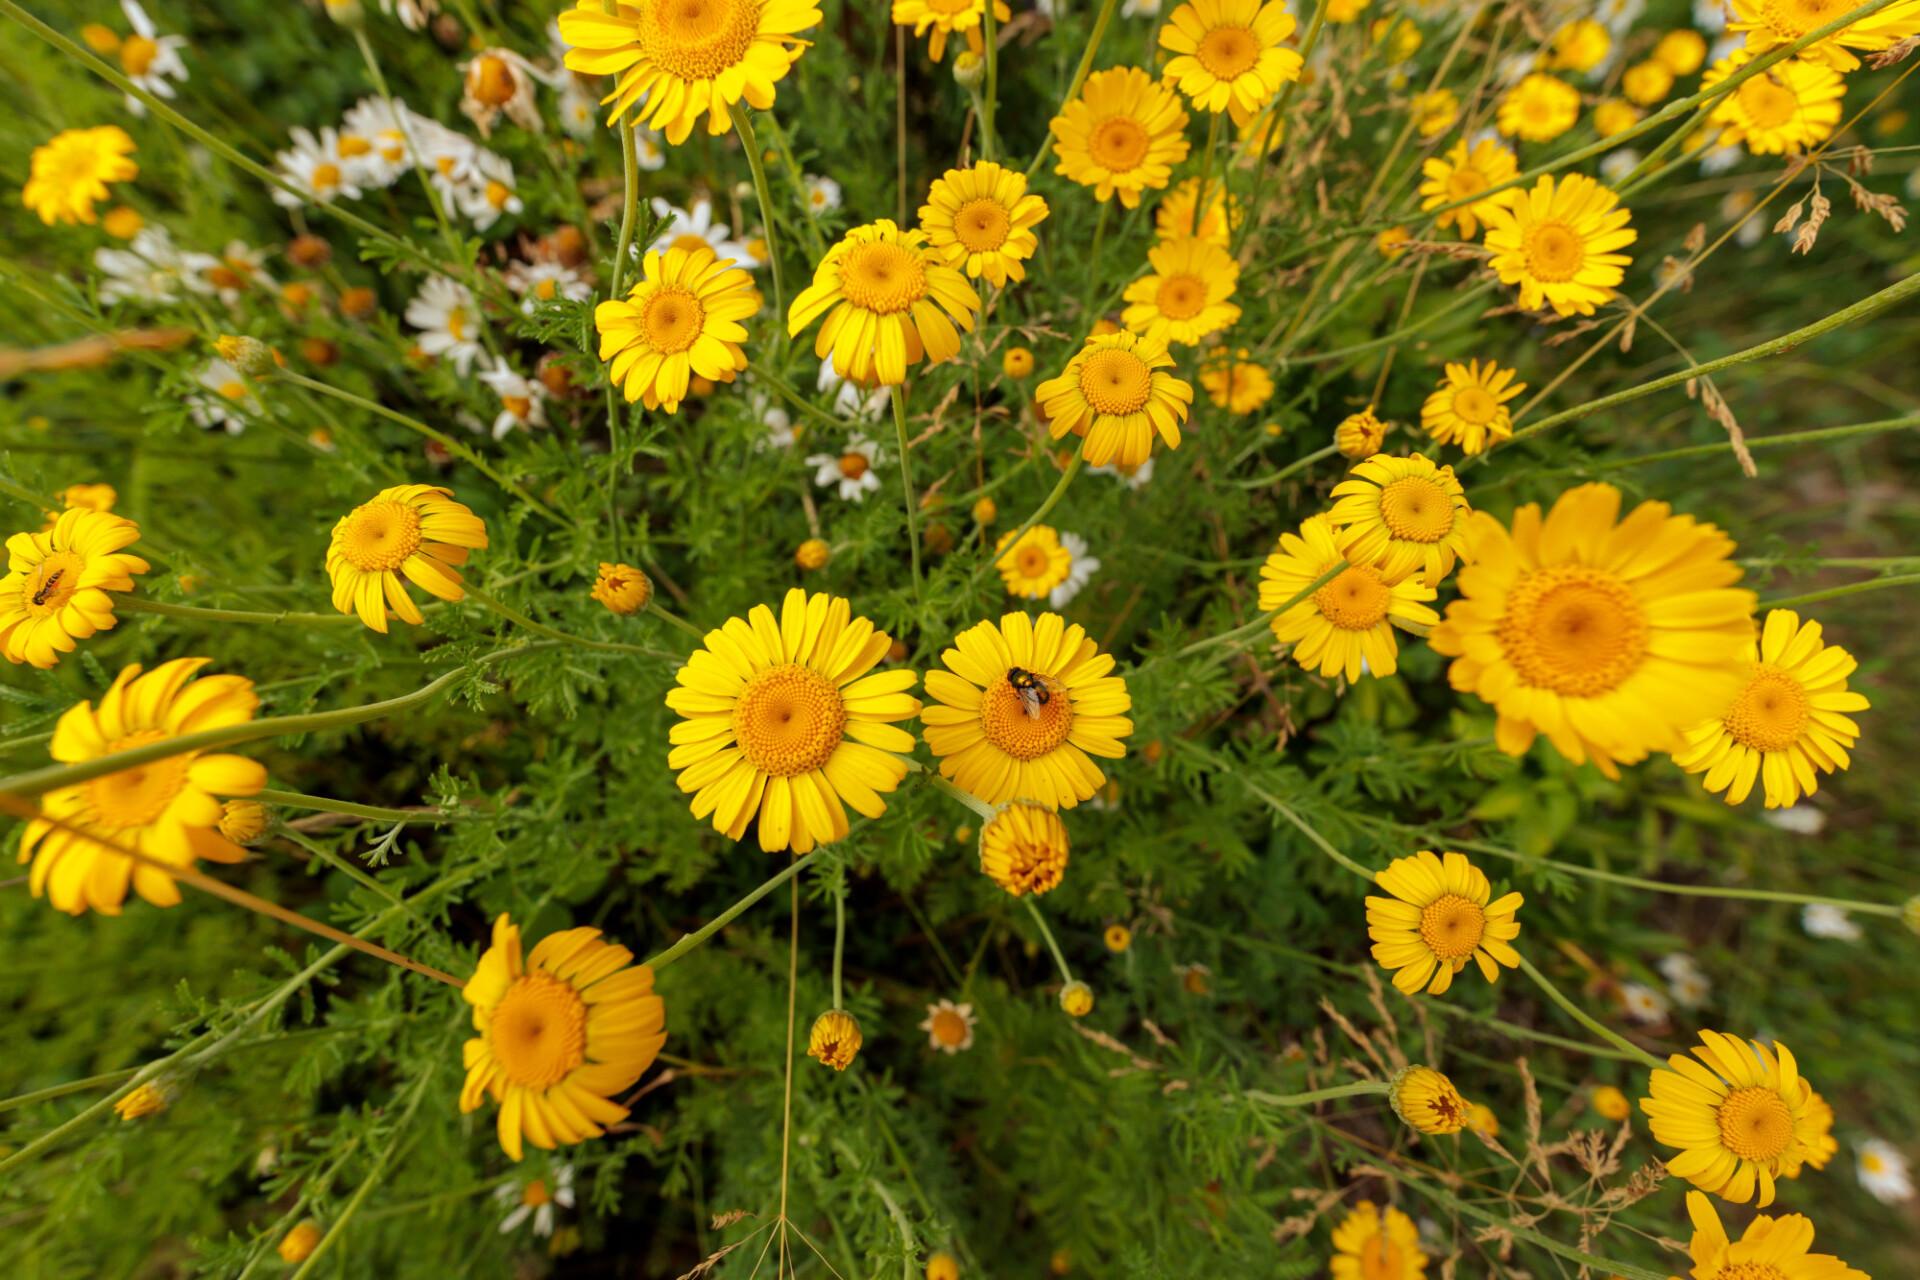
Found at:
(1228, 54)
(686, 57)
(681, 319)
(300, 1242)
(1359, 434)
(1370, 1244)
(1469, 408)
(982, 219)
(978, 723)
(1118, 937)
(244, 821)
(1614, 115)
(1785, 109)
(71, 172)
(1538, 109)
(622, 588)
(1737, 1120)
(1682, 50)
(812, 554)
(1818, 1146)
(55, 591)
(1436, 112)
(164, 810)
(1034, 567)
(1402, 515)
(1789, 721)
(122, 223)
(1237, 385)
(1770, 1249)
(1076, 998)
(1117, 393)
(1184, 298)
(1464, 173)
(1402, 37)
(1392, 241)
(1482, 1120)
(144, 1100)
(1173, 216)
(1768, 24)
(949, 1027)
(1345, 622)
(1024, 848)
(1124, 133)
(1579, 46)
(1611, 1103)
(1645, 83)
(881, 285)
(834, 1040)
(945, 17)
(1611, 637)
(1344, 11)
(82, 497)
(943, 1266)
(412, 529)
(1557, 243)
(560, 1034)
(1439, 918)
(1427, 1100)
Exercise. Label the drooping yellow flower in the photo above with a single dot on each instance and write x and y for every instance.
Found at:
(1682, 50)
(887, 297)
(622, 588)
(165, 810)
(1611, 637)
(413, 529)
(1469, 407)
(1359, 434)
(1785, 109)
(1024, 848)
(982, 219)
(1377, 1244)
(1117, 393)
(1435, 112)
(943, 1266)
(680, 320)
(1558, 242)
(1428, 1101)
(1789, 721)
(561, 1033)
(946, 17)
(1538, 109)
(1036, 565)
(1768, 24)
(1349, 620)
(299, 1243)
(1173, 216)
(1235, 383)
(1581, 45)
(55, 591)
(1464, 173)
(1184, 297)
(1614, 115)
(1228, 54)
(979, 725)
(1403, 515)
(70, 173)
(834, 1040)
(1770, 1248)
(1439, 917)
(1737, 1119)
(687, 57)
(1124, 133)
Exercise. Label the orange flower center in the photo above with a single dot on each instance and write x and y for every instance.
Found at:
(325, 176)
(538, 1032)
(1356, 600)
(1118, 144)
(1181, 297)
(1116, 382)
(1452, 926)
(982, 225)
(380, 536)
(672, 319)
(137, 797)
(1575, 630)
(789, 720)
(1755, 1124)
(1475, 405)
(1228, 52)
(535, 1193)
(1770, 712)
(1463, 182)
(697, 39)
(882, 278)
(1416, 509)
(1005, 722)
(50, 584)
(1793, 18)
(1032, 561)
(1554, 251)
(491, 82)
(351, 146)
(949, 1027)
(854, 465)
(1768, 103)
(137, 54)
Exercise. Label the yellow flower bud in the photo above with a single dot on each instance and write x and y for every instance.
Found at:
(622, 588)
(812, 554)
(1428, 1101)
(1077, 998)
(298, 1244)
(835, 1039)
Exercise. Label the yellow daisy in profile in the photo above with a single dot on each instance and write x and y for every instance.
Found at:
(1611, 637)
(82, 497)
(946, 17)
(982, 219)
(890, 301)
(1124, 133)
(1469, 408)
(1184, 297)
(1558, 244)
(1349, 620)
(561, 1032)
(1789, 721)
(681, 320)
(683, 58)
(1538, 109)
(1768, 24)
(1117, 393)
(69, 174)
(1428, 1101)
(1783, 110)
(1464, 173)
(1439, 917)
(1738, 1115)
(1376, 1244)
(1235, 383)
(1403, 515)
(1770, 1248)
(55, 591)
(413, 529)
(782, 721)
(1173, 216)
(165, 810)
(1034, 566)
(980, 726)
(1818, 1146)
(1024, 848)
(1359, 434)
(1228, 54)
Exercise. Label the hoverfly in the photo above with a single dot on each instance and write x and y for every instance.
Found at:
(46, 588)
(1035, 690)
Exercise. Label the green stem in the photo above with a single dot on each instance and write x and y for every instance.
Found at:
(988, 103)
(986, 811)
(1053, 500)
(630, 209)
(839, 939)
(356, 874)
(1206, 174)
(373, 1177)
(1100, 24)
(1033, 908)
(816, 242)
(1595, 1266)
(413, 151)
(721, 921)
(1753, 443)
(899, 399)
(1253, 628)
(1298, 464)
(1093, 260)
(1359, 1090)
(1831, 593)
(62, 1090)
(758, 164)
(296, 800)
(675, 620)
(1586, 1020)
(521, 620)
(135, 604)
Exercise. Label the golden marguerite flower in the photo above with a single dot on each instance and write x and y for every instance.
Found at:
(1682, 49)
(1435, 112)
(1464, 172)
(1376, 1244)
(165, 810)
(891, 297)
(1739, 1115)
(1768, 24)
(783, 722)
(1235, 383)
(1558, 244)
(69, 175)
(1076, 998)
(1402, 515)
(1581, 45)
(1783, 110)
(1229, 55)
(1538, 109)
(979, 725)
(982, 219)
(1184, 297)
(1118, 938)
(1818, 1145)
(1611, 637)
(949, 1027)
(1024, 848)
(55, 591)
(1439, 917)
(1124, 133)
(1173, 216)
(622, 588)
(681, 320)
(1646, 83)
(1788, 722)
(1348, 621)
(834, 1040)
(1770, 1248)
(299, 1243)
(1614, 115)
(561, 1033)
(1469, 407)
(687, 57)
(413, 529)
(1427, 1100)
(945, 18)
(1117, 392)
(1611, 1103)
(1359, 434)
(1036, 565)
(244, 821)
(82, 497)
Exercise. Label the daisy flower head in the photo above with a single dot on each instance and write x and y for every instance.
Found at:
(491, 195)
(545, 281)
(152, 270)
(523, 400)
(1464, 172)
(889, 301)
(413, 530)
(165, 810)
(1646, 83)
(449, 320)
(55, 590)
(1346, 625)
(1080, 571)
(1770, 1247)
(682, 319)
(854, 471)
(1820, 1146)
(1558, 242)
(781, 721)
(150, 60)
(693, 228)
(1229, 55)
(1643, 1004)
(1123, 134)
(232, 402)
(70, 173)
(1687, 982)
(622, 588)
(495, 82)
(1376, 1244)
(1469, 407)
(949, 1027)
(1359, 435)
(680, 59)
(1783, 110)
(1614, 115)
(317, 169)
(1581, 45)
(944, 18)
(834, 1040)
(1824, 920)
(1738, 1114)
(535, 1200)
(1402, 515)
(1132, 477)
(1682, 50)
(1538, 109)
(1184, 297)
(1173, 217)
(1036, 565)
(1441, 915)
(1768, 24)
(299, 1242)
(1235, 383)
(1117, 393)
(1435, 112)
(382, 127)
(1024, 848)
(981, 220)
(979, 723)
(1882, 1170)
(822, 194)
(562, 1030)
(1428, 1101)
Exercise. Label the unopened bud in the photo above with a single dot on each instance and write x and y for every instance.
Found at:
(249, 355)
(969, 70)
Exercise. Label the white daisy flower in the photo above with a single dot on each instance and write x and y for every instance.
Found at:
(536, 1200)
(483, 202)
(823, 194)
(1690, 991)
(689, 229)
(1720, 159)
(949, 1027)
(538, 282)
(1710, 16)
(151, 269)
(149, 59)
(849, 401)
(384, 130)
(854, 470)
(1824, 920)
(1882, 1169)
(449, 321)
(580, 111)
(451, 158)
(1643, 1004)
(1618, 16)
(1617, 164)
(649, 149)
(317, 168)
(230, 404)
(523, 401)
(781, 433)
(239, 269)
(1079, 572)
(413, 14)
(1801, 819)
(1132, 477)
